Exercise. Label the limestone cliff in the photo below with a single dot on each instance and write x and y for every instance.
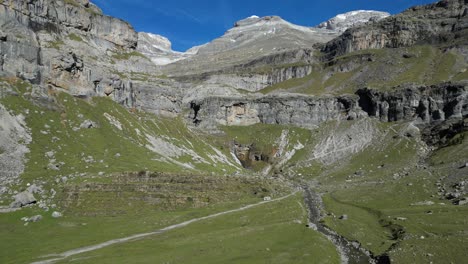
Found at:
(424, 105)
(69, 45)
(297, 110)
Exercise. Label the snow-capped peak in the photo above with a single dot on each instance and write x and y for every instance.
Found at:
(344, 21)
(158, 49)
(267, 24)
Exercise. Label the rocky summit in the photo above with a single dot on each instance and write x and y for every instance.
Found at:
(344, 142)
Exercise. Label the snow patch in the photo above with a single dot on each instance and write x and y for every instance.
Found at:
(341, 16)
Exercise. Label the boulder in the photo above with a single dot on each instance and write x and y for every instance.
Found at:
(34, 189)
(56, 214)
(23, 199)
(35, 218)
(88, 124)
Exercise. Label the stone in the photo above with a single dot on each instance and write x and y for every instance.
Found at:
(89, 124)
(50, 154)
(35, 218)
(343, 217)
(34, 189)
(23, 199)
(56, 214)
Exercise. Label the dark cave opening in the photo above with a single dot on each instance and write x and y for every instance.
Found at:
(365, 102)
(196, 109)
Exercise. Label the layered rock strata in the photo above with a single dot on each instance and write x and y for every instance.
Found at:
(425, 105)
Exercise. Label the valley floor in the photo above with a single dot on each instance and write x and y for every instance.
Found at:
(275, 232)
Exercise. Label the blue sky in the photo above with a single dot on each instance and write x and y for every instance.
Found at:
(193, 22)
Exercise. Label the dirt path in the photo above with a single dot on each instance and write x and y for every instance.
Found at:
(66, 254)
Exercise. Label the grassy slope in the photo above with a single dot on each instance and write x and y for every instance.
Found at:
(271, 233)
(386, 69)
(92, 215)
(112, 149)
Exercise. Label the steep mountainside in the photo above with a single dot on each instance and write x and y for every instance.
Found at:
(341, 143)
(250, 39)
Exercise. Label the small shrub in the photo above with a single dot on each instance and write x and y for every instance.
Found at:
(75, 37)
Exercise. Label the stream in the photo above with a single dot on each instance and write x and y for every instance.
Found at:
(350, 252)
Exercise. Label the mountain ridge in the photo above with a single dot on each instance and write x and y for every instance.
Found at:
(258, 26)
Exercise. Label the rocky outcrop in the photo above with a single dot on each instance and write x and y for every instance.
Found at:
(23, 199)
(302, 111)
(442, 22)
(425, 104)
(14, 138)
(54, 16)
(56, 44)
(442, 134)
(254, 82)
(259, 73)
(161, 98)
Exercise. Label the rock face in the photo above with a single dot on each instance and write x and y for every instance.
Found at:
(342, 22)
(440, 134)
(425, 104)
(445, 21)
(303, 111)
(56, 44)
(14, 138)
(256, 82)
